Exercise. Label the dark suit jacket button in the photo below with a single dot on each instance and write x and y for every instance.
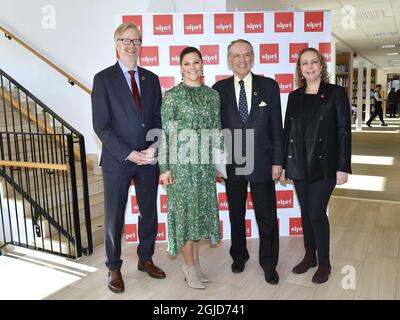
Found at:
(291, 140)
(320, 156)
(289, 156)
(320, 139)
(143, 125)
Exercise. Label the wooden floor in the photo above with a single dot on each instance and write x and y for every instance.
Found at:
(365, 242)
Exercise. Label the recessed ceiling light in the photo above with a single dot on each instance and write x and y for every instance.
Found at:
(397, 60)
(392, 54)
(382, 34)
(372, 14)
(387, 46)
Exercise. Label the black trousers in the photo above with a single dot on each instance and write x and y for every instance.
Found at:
(378, 112)
(314, 198)
(264, 200)
(116, 187)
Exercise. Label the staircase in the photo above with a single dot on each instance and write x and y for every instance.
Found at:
(40, 202)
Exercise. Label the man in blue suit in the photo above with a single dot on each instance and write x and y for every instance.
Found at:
(251, 104)
(126, 104)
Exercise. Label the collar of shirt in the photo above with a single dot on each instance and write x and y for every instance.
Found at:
(127, 76)
(248, 81)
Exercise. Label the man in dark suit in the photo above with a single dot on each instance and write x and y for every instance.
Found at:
(250, 104)
(126, 104)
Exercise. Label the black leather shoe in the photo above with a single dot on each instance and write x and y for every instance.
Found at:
(237, 267)
(272, 277)
(368, 125)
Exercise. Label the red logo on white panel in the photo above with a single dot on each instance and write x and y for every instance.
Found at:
(131, 233)
(161, 232)
(325, 50)
(284, 21)
(149, 56)
(284, 199)
(313, 21)
(254, 22)
(249, 202)
(285, 81)
(221, 228)
(248, 228)
(166, 83)
(223, 23)
(174, 54)
(193, 24)
(294, 49)
(163, 24)
(220, 77)
(222, 202)
(295, 227)
(136, 20)
(163, 203)
(134, 205)
(210, 54)
(269, 53)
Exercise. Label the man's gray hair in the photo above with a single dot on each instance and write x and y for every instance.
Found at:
(240, 41)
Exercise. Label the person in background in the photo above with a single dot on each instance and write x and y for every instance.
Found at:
(378, 111)
(392, 103)
(317, 153)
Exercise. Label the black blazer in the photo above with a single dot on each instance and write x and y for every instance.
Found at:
(116, 119)
(265, 120)
(328, 139)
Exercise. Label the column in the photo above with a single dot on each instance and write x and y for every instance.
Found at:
(360, 80)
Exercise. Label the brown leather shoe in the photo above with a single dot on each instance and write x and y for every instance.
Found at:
(309, 261)
(323, 272)
(151, 269)
(115, 282)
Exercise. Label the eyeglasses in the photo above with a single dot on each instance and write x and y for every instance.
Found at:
(127, 42)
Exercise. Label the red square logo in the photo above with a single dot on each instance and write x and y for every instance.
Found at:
(223, 23)
(166, 83)
(221, 228)
(249, 202)
(220, 77)
(210, 54)
(285, 81)
(313, 21)
(325, 50)
(136, 20)
(248, 228)
(284, 199)
(149, 56)
(294, 49)
(163, 203)
(134, 205)
(131, 233)
(254, 22)
(269, 53)
(295, 227)
(193, 24)
(222, 202)
(284, 21)
(163, 24)
(161, 232)
(174, 54)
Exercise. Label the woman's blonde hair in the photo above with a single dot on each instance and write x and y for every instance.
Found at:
(300, 81)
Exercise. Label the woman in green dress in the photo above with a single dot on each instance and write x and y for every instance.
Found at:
(190, 110)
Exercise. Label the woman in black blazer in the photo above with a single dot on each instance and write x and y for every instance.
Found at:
(317, 137)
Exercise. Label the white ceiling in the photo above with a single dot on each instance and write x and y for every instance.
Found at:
(357, 34)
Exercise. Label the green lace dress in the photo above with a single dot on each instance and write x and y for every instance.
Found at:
(187, 112)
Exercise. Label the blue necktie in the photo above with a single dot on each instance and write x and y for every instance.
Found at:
(243, 102)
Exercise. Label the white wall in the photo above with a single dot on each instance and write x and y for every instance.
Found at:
(81, 44)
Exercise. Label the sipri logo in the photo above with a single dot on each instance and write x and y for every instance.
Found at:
(249, 202)
(284, 199)
(174, 53)
(254, 22)
(136, 20)
(269, 53)
(163, 24)
(313, 21)
(161, 232)
(248, 228)
(210, 54)
(149, 56)
(294, 49)
(166, 83)
(325, 50)
(163, 203)
(223, 23)
(193, 24)
(284, 21)
(285, 81)
(295, 227)
(131, 232)
(222, 202)
(134, 205)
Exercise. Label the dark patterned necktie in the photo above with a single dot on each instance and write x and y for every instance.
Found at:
(135, 91)
(243, 102)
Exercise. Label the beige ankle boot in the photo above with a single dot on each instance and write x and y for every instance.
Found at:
(191, 277)
(200, 274)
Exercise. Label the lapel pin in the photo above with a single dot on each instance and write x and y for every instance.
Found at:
(254, 93)
(143, 78)
(322, 96)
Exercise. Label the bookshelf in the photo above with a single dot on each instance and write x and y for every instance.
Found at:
(365, 95)
(343, 71)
